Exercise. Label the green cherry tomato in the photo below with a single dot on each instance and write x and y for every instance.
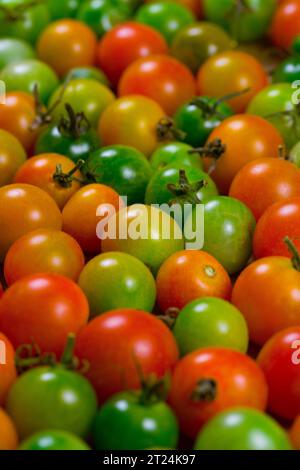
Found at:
(242, 429)
(127, 422)
(196, 42)
(124, 169)
(52, 398)
(210, 322)
(246, 20)
(102, 15)
(174, 153)
(117, 280)
(166, 16)
(88, 72)
(200, 117)
(288, 71)
(53, 440)
(63, 9)
(14, 50)
(295, 155)
(85, 95)
(273, 103)
(296, 45)
(26, 74)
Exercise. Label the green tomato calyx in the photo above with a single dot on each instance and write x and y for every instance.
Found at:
(65, 180)
(205, 391)
(166, 130)
(75, 124)
(17, 12)
(294, 252)
(184, 191)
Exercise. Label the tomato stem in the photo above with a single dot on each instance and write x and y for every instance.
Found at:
(294, 252)
(184, 191)
(166, 130)
(205, 390)
(214, 149)
(75, 124)
(65, 180)
(170, 317)
(16, 13)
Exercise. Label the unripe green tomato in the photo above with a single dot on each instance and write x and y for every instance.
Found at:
(53, 440)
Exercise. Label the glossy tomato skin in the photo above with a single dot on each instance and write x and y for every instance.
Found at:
(12, 156)
(131, 120)
(239, 71)
(23, 208)
(13, 50)
(288, 70)
(189, 275)
(91, 72)
(117, 280)
(125, 411)
(265, 181)
(237, 381)
(117, 341)
(43, 251)
(287, 19)
(40, 400)
(39, 171)
(8, 372)
(129, 41)
(242, 429)
(161, 78)
(279, 360)
(102, 15)
(27, 315)
(8, 435)
(210, 322)
(174, 152)
(267, 294)
(53, 440)
(262, 139)
(279, 221)
(123, 168)
(75, 41)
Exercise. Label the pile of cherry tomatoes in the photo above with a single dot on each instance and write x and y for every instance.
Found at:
(128, 343)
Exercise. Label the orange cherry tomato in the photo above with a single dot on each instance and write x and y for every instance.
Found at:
(286, 24)
(39, 171)
(12, 156)
(232, 72)
(24, 208)
(8, 432)
(295, 433)
(261, 183)
(43, 250)
(79, 214)
(8, 372)
(189, 275)
(66, 44)
(164, 79)
(246, 138)
(279, 221)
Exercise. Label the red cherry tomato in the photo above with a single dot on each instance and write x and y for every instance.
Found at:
(8, 373)
(286, 24)
(118, 343)
(211, 380)
(43, 308)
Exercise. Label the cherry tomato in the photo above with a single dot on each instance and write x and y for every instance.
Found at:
(14, 50)
(246, 138)
(174, 153)
(23, 208)
(117, 280)
(8, 435)
(190, 275)
(158, 235)
(288, 70)
(295, 433)
(12, 156)
(129, 41)
(239, 71)
(280, 220)
(261, 183)
(167, 17)
(66, 9)
(210, 322)
(102, 15)
(8, 372)
(43, 308)
(75, 42)
(119, 343)
(211, 380)
(131, 120)
(279, 360)
(43, 251)
(80, 217)
(242, 429)
(53, 440)
(51, 398)
(42, 171)
(286, 24)
(93, 73)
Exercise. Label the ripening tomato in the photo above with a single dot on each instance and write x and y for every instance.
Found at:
(132, 121)
(43, 308)
(164, 79)
(127, 41)
(231, 72)
(246, 138)
(280, 360)
(80, 217)
(41, 251)
(189, 275)
(53, 440)
(261, 183)
(286, 24)
(295, 433)
(8, 432)
(65, 44)
(23, 208)
(279, 221)
(210, 380)
(49, 171)
(8, 372)
(119, 343)
(12, 156)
